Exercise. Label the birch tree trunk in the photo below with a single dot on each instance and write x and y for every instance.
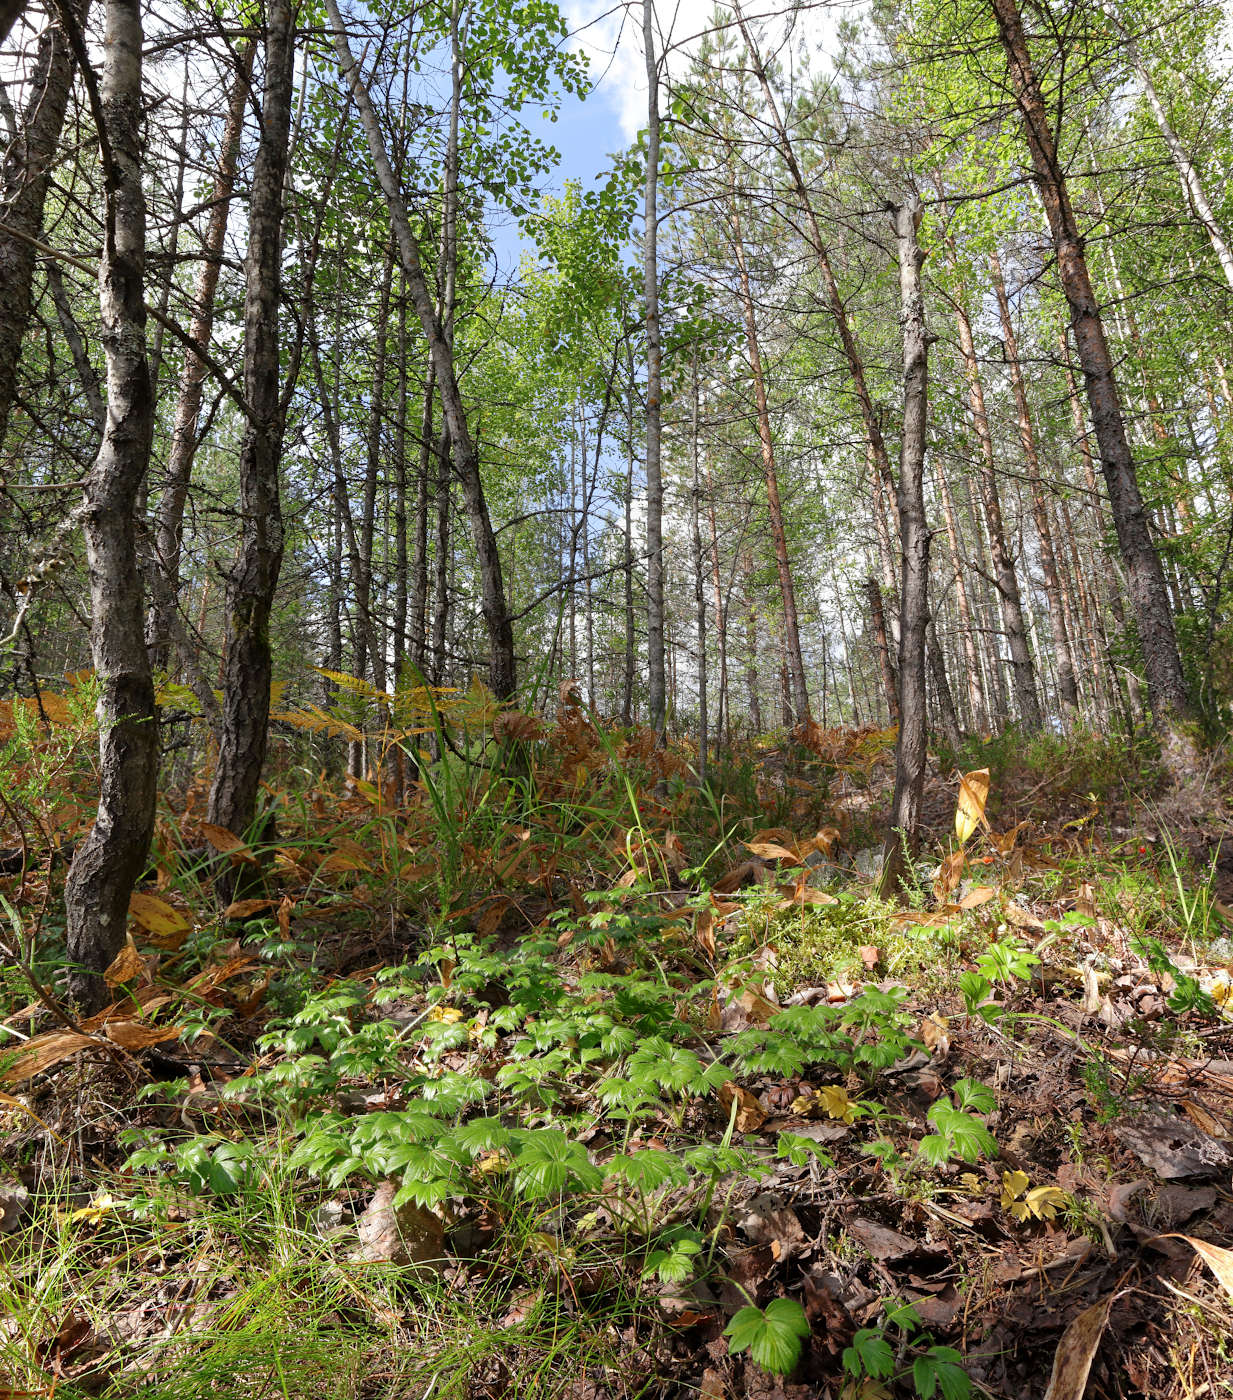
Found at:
(251, 581)
(902, 837)
(111, 859)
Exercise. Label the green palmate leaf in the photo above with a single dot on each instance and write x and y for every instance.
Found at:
(940, 1368)
(869, 1355)
(772, 1336)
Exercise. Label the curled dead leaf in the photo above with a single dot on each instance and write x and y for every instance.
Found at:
(749, 1113)
(1072, 1363)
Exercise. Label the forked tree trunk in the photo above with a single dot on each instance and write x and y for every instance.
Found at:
(1166, 682)
(252, 579)
(903, 836)
(502, 666)
(112, 857)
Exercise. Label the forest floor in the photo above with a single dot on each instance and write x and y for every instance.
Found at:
(573, 1080)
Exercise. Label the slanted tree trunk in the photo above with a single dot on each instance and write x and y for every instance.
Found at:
(1166, 682)
(252, 579)
(502, 666)
(10, 12)
(24, 182)
(902, 837)
(656, 692)
(110, 860)
(1062, 655)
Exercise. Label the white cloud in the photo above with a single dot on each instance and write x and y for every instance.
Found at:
(610, 33)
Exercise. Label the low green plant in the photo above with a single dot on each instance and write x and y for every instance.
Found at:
(878, 1354)
(773, 1336)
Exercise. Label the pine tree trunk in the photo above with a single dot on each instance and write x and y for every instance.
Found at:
(1165, 681)
(112, 857)
(251, 581)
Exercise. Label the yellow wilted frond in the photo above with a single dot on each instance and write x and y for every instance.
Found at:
(318, 721)
(353, 685)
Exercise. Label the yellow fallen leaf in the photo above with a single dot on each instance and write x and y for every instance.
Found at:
(449, 1015)
(970, 808)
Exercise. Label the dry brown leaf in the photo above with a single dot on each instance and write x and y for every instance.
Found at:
(41, 1052)
(246, 908)
(227, 843)
(771, 850)
(935, 1034)
(949, 874)
(750, 1115)
(1076, 1351)
(127, 966)
(137, 1035)
(285, 906)
(976, 896)
(1218, 1259)
(407, 1234)
(704, 932)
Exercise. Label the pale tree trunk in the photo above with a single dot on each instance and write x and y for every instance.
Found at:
(502, 667)
(1062, 655)
(24, 183)
(253, 578)
(903, 835)
(792, 637)
(1166, 682)
(112, 857)
(169, 518)
(1006, 581)
(656, 692)
(627, 679)
(971, 654)
(419, 558)
(723, 709)
(1192, 183)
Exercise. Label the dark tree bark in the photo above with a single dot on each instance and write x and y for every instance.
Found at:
(902, 837)
(253, 578)
(502, 667)
(10, 12)
(112, 857)
(23, 193)
(1166, 683)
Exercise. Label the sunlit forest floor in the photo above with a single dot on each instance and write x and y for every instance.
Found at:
(546, 1071)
